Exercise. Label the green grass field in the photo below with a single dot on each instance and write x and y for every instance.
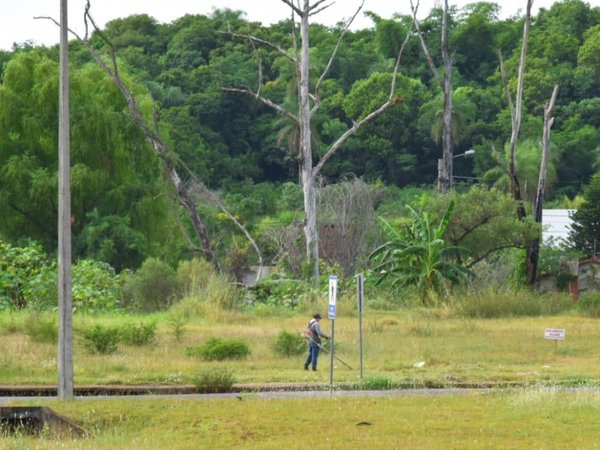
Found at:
(522, 419)
(454, 350)
(451, 350)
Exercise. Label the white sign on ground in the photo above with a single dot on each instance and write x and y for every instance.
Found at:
(557, 334)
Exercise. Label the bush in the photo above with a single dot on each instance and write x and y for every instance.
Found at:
(589, 304)
(289, 294)
(214, 380)
(289, 344)
(101, 340)
(140, 334)
(153, 287)
(216, 349)
(41, 328)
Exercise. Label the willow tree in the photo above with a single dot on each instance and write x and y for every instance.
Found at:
(309, 102)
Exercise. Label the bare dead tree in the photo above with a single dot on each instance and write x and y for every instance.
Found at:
(309, 104)
(516, 107)
(445, 164)
(534, 249)
(346, 217)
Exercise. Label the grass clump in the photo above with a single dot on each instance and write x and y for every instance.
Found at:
(101, 340)
(289, 344)
(377, 383)
(41, 328)
(140, 334)
(217, 349)
(214, 380)
(589, 304)
(484, 304)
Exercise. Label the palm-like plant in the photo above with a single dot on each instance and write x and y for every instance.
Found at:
(418, 255)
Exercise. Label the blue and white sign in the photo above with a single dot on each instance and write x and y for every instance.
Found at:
(332, 297)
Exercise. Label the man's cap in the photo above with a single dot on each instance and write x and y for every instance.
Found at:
(317, 316)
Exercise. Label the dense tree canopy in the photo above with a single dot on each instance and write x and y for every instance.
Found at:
(122, 210)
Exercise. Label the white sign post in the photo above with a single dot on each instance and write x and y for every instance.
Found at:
(555, 334)
(331, 316)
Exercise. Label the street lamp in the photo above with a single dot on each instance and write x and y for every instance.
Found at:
(467, 153)
(441, 163)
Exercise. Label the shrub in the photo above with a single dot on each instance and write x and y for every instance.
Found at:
(153, 287)
(41, 328)
(18, 265)
(214, 380)
(289, 344)
(589, 304)
(140, 334)
(288, 294)
(101, 340)
(216, 349)
(96, 286)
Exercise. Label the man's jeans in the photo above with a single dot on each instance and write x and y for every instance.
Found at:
(313, 355)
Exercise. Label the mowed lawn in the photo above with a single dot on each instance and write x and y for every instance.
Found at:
(543, 418)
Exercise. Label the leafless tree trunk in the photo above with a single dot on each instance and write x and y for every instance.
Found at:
(445, 164)
(534, 249)
(159, 146)
(516, 112)
(309, 103)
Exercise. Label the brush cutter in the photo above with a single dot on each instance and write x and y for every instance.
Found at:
(328, 351)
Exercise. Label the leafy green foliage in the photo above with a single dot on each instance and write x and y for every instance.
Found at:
(216, 349)
(585, 230)
(214, 380)
(418, 255)
(289, 344)
(153, 287)
(20, 266)
(100, 339)
(138, 334)
(483, 222)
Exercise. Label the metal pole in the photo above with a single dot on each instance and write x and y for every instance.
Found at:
(360, 291)
(65, 323)
(331, 354)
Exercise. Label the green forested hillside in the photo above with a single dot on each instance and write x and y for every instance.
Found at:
(124, 207)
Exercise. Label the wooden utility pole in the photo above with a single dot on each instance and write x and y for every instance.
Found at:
(65, 319)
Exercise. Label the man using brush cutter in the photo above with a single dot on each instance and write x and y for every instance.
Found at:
(314, 335)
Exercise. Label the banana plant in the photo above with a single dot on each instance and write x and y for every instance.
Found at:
(418, 256)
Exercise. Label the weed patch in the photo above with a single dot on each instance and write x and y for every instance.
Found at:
(216, 349)
(289, 344)
(101, 340)
(140, 334)
(41, 328)
(217, 379)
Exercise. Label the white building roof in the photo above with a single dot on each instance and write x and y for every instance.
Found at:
(556, 225)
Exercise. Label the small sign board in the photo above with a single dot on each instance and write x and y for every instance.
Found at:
(556, 334)
(331, 310)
